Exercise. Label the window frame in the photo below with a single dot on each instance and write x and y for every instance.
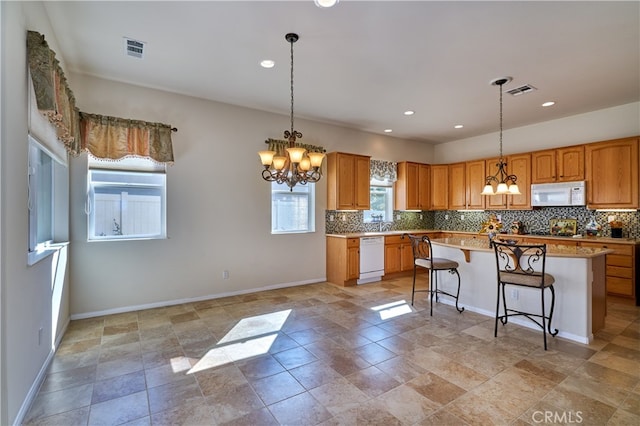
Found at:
(137, 177)
(310, 192)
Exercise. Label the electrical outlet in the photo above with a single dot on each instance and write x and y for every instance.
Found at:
(499, 217)
(331, 218)
(225, 275)
(420, 216)
(344, 218)
(446, 217)
(514, 294)
(461, 217)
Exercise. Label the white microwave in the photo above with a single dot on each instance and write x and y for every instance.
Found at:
(559, 194)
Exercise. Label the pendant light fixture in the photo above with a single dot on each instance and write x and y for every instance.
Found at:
(299, 166)
(505, 183)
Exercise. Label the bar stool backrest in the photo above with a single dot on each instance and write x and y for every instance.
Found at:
(421, 246)
(524, 259)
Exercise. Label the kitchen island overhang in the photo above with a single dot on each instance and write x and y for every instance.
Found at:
(580, 284)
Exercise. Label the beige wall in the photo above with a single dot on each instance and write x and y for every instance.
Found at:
(610, 123)
(26, 290)
(218, 206)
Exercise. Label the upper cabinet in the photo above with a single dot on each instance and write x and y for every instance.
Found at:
(412, 189)
(558, 165)
(520, 165)
(612, 174)
(475, 179)
(457, 187)
(347, 181)
(439, 187)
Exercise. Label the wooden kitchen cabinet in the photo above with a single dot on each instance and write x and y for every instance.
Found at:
(439, 187)
(398, 254)
(348, 181)
(620, 272)
(612, 174)
(343, 260)
(558, 165)
(412, 188)
(457, 187)
(475, 180)
(520, 165)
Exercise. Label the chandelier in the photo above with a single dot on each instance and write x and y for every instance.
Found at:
(506, 183)
(298, 166)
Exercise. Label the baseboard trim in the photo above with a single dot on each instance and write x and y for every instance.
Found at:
(162, 304)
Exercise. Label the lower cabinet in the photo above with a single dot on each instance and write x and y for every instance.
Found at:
(343, 260)
(398, 254)
(621, 278)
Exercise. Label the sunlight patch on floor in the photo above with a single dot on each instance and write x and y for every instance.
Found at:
(251, 337)
(393, 309)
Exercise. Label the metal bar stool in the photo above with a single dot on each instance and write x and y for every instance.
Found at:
(523, 265)
(422, 257)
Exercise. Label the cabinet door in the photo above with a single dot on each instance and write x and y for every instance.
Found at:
(520, 165)
(570, 163)
(406, 187)
(362, 197)
(457, 187)
(353, 263)
(346, 182)
(475, 180)
(494, 202)
(392, 258)
(424, 187)
(439, 187)
(543, 166)
(406, 257)
(612, 174)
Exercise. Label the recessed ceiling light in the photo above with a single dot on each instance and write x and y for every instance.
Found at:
(409, 112)
(388, 130)
(550, 103)
(325, 3)
(458, 126)
(267, 63)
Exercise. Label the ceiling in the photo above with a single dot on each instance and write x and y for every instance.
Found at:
(361, 64)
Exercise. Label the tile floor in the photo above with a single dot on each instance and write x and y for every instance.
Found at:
(320, 354)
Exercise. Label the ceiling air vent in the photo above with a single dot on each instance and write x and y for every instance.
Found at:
(134, 48)
(521, 90)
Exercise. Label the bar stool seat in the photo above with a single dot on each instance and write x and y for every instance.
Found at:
(422, 251)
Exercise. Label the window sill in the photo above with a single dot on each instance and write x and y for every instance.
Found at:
(34, 257)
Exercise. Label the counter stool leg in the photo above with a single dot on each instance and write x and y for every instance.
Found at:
(458, 292)
(495, 329)
(553, 302)
(413, 289)
(433, 283)
(544, 328)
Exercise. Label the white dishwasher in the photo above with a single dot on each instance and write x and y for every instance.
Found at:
(371, 259)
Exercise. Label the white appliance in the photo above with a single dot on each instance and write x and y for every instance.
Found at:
(559, 194)
(371, 259)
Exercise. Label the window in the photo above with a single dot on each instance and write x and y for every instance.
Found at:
(381, 198)
(41, 193)
(292, 211)
(48, 200)
(125, 205)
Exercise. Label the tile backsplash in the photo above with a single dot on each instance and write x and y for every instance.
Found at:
(471, 221)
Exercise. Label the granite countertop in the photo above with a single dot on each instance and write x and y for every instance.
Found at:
(532, 236)
(553, 250)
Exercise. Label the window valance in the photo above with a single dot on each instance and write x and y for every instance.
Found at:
(279, 146)
(110, 138)
(115, 138)
(384, 170)
(54, 98)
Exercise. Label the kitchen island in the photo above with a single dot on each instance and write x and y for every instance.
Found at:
(579, 282)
